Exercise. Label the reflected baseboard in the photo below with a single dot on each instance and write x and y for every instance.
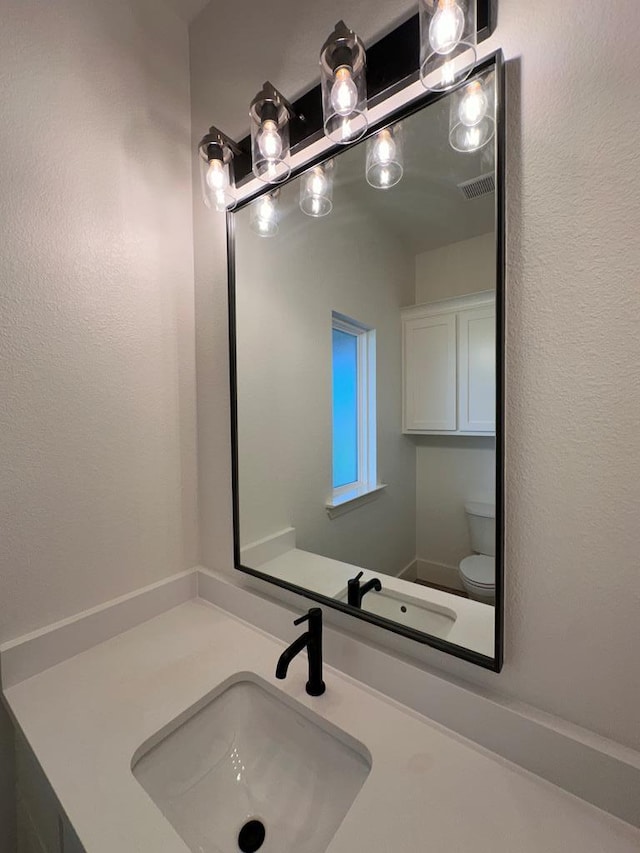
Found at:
(268, 548)
(410, 572)
(448, 589)
(438, 574)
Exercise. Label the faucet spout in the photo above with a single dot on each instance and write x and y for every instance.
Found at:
(311, 640)
(288, 655)
(372, 584)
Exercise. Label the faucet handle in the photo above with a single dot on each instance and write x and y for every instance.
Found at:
(357, 578)
(314, 613)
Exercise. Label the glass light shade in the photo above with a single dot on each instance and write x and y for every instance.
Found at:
(216, 172)
(472, 114)
(448, 40)
(385, 162)
(316, 190)
(270, 136)
(343, 77)
(264, 218)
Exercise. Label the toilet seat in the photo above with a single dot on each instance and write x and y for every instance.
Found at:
(479, 570)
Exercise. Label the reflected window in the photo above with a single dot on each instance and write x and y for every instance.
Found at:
(345, 408)
(354, 405)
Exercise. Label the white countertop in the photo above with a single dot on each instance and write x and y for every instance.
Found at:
(428, 789)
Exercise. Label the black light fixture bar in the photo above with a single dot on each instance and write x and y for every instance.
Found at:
(392, 62)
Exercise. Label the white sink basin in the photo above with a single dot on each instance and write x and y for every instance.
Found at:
(408, 610)
(252, 761)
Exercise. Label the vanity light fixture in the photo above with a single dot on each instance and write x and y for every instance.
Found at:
(448, 39)
(384, 158)
(216, 152)
(316, 190)
(270, 113)
(471, 115)
(343, 66)
(264, 218)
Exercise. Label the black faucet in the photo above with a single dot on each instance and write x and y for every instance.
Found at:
(356, 592)
(312, 641)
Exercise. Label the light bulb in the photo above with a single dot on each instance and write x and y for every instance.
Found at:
(217, 176)
(474, 105)
(220, 201)
(448, 73)
(264, 216)
(272, 171)
(385, 148)
(266, 210)
(344, 94)
(266, 213)
(345, 130)
(317, 183)
(316, 191)
(447, 27)
(472, 139)
(270, 141)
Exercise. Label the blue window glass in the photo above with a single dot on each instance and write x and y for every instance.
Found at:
(345, 408)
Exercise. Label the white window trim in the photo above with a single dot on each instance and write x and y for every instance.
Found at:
(366, 486)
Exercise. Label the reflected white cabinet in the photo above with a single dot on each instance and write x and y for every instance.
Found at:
(449, 359)
(430, 373)
(477, 370)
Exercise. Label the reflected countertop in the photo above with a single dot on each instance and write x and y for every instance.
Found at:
(474, 625)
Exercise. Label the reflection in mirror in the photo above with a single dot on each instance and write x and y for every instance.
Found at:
(366, 374)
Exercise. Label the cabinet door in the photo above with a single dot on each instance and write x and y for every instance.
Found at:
(430, 373)
(477, 369)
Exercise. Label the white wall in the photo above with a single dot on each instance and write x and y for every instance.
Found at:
(287, 286)
(98, 492)
(98, 450)
(573, 470)
(456, 269)
(451, 471)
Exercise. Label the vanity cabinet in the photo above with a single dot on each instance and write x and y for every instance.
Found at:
(449, 358)
(42, 825)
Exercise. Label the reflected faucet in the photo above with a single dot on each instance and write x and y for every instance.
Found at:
(356, 592)
(312, 641)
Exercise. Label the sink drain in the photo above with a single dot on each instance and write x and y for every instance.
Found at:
(251, 837)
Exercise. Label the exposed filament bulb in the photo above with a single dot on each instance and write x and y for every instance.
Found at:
(344, 94)
(270, 141)
(217, 175)
(385, 150)
(474, 105)
(447, 27)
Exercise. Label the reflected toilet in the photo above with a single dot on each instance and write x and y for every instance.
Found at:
(478, 572)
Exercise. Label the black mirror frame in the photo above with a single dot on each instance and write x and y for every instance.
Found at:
(494, 60)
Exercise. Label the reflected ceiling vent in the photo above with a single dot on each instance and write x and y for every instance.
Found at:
(476, 187)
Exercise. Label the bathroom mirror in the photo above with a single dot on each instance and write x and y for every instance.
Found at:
(367, 300)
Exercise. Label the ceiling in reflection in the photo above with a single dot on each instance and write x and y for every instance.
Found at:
(427, 209)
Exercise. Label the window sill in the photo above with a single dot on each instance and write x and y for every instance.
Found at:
(352, 499)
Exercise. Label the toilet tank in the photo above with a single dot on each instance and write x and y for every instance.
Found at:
(481, 518)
